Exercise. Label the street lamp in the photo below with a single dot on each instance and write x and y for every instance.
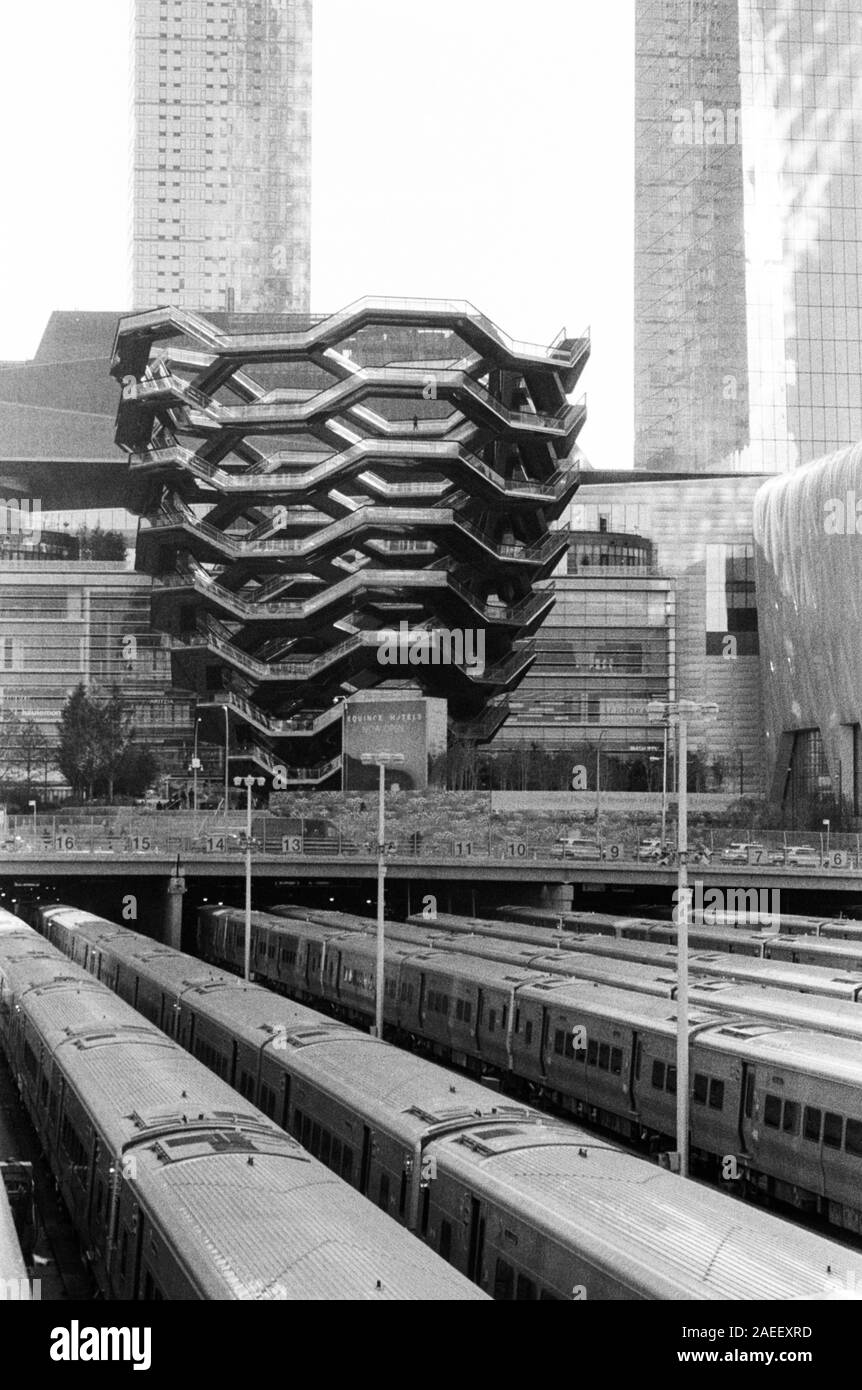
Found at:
(196, 762)
(828, 825)
(248, 782)
(679, 712)
(382, 760)
(599, 778)
(33, 804)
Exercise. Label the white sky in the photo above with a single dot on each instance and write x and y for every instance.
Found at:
(478, 149)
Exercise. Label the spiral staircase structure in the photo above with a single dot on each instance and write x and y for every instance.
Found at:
(302, 490)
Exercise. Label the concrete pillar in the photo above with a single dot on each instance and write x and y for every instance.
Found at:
(172, 933)
(557, 897)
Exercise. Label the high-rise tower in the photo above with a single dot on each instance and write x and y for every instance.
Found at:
(748, 233)
(222, 154)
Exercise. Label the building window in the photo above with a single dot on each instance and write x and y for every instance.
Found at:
(731, 601)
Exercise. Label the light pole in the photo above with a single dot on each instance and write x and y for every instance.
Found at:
(382, 760)
(248, 782)
(664, 792)
(827, 823)
(226, 761)
(599, 778)
(196, 762)
(33, 804)
(679, 712)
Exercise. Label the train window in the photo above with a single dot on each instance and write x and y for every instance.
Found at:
(492, 1020)
(853, 1138)
(658, 1075)
(716, 1095)
(468, 1013)
(604, 1056)
(811, 1123)
(504, 1281)
(592, 1052)
(335, 1155)
(528, 1033)
(833, 1130)
(670, 1080)
(517, 1020)
(616, 1061)
(402, 1192)
(559, 1041)
(504, 1016)
(790, 1119)
(314, 1146)
(701, 1087)
(325, 1145)
(347, 1163)
(383, 1195)
(772, 1112)
(638, 1054)
(445, 1239)
(526, 1290)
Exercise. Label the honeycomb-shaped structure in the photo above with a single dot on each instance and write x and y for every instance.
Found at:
(304, 488)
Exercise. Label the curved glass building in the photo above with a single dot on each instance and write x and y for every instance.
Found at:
(808, 539)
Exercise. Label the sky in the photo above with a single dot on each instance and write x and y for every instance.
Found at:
(475, 149)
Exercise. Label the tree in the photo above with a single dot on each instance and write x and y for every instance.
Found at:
(97, 544)
(94, 740)
(78, 750)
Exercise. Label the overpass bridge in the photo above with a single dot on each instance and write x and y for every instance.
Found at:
(161, 875)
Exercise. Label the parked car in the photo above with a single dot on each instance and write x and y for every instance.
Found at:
(744, 852)
(802, 857)
(573, 847)
(650, 849)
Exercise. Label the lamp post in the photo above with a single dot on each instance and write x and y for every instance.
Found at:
(827, 823)
(382, 760)
(679, 712)
(226, 761)
(599, 778)
(248, 782)
(33, 804)
(196, 762)
(664, 792)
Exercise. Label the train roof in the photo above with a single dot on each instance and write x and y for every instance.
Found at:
(822, 1055)
(290, 1231)
(12, 1268)
(670, 1238)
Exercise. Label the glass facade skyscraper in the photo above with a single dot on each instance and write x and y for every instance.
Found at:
(748, 232)
(222, 155)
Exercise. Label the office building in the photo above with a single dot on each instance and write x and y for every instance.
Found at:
(222, 154)
(667, 608)
(748, 233)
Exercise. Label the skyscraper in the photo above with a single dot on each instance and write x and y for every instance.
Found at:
(748, 233)
(222, 154)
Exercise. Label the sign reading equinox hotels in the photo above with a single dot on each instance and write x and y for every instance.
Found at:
(407, 725)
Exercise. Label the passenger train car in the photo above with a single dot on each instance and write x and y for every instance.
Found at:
(178, 1188)
(765, 943)
(724, 995)
(529, 1207)
(518, 1023)
(13, 1272)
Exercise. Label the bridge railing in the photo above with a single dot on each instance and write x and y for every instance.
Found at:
(167, 834)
